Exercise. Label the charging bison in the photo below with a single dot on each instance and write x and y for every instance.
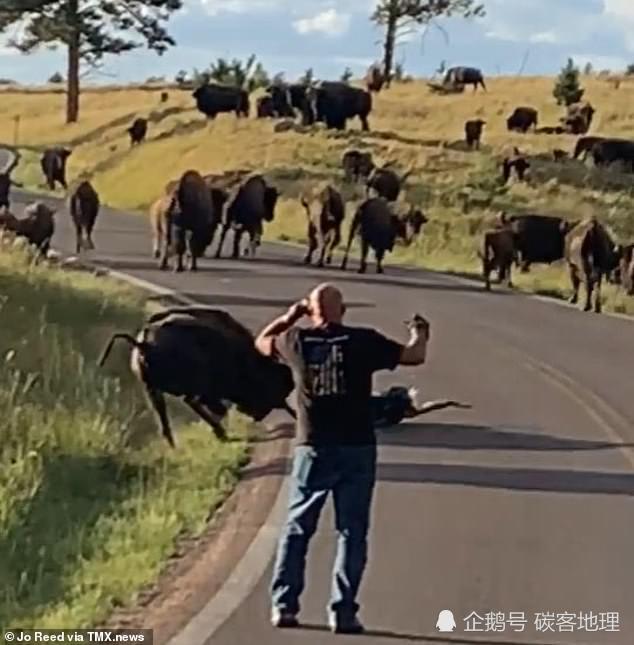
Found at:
(325, 210)
(53, 163)
(84, 209)
(207, 359)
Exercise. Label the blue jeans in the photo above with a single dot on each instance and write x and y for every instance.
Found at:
(349, 472)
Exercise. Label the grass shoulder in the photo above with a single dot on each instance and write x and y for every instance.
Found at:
(92, 503)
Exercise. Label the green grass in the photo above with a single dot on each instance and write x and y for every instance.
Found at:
(92, 501)
(460, 191)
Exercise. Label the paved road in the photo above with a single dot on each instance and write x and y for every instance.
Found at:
(523, 504)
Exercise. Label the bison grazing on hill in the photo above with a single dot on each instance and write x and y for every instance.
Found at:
(473, 132)
(137, 131)
(579, 118)
(335, 102)
(375, 78)
(213, 99)
(522, 119)
(53, 163)
(37, 227)
(190, 221)
(464, 76)
(84, 208)
(610, 151)
(254, 203)
(386, 183)
(209, 360)
(584, 146)
(379, 227)
(498, 252)
(357, 165)
(591, 254)
(514, 161)
(326, 210)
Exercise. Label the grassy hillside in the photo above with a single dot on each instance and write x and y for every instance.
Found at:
(461, 190)
(92, 502)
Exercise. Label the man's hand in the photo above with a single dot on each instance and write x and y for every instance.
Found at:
(297, 311)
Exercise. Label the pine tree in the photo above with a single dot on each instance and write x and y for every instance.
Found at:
(567, 87)
(347, 75)
(89, 30)
(401, 17)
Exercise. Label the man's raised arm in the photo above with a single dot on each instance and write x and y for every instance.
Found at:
(265, 341)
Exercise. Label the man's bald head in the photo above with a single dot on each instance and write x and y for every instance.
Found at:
(326, 304)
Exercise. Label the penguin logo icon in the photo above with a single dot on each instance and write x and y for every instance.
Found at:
(445, 622)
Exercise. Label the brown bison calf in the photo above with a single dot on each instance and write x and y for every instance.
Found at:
(357, 165)
(326, 210)
(84, 209)
(473, 132)
(137, 131)
(515, 162)
(498, 252)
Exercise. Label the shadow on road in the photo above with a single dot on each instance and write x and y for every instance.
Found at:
(150, 264)
(526, 479)
(447, 639)
(459, 437)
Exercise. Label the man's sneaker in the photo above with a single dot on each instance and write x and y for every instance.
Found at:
(345, 625)
(283, 619)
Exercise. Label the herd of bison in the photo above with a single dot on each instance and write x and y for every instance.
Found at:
(195, 209)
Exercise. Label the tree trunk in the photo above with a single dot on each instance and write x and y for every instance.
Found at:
(388, 49)
(72, 94)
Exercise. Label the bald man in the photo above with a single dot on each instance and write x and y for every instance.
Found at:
(335, 445)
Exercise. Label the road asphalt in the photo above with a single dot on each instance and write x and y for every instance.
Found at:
(518, 509)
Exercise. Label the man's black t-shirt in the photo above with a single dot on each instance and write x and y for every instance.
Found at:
(333, 367)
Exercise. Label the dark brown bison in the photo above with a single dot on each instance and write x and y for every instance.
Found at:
(265, 108)
(522, 119)
(335, 102)
(137, 131)
(379, 227)
(53, 163)
(165, 97)
(549, 129)
(579, 118)
(213, 99)
(465, 76)
(37, 226)
(254, 203)
(6, 183)
(84, 209)
(209, 360)
(473, 132)
(610, 151)
(516, 162)
(387, 183)
(538, 239)
(326, 210)
(375, 78)
(190, 221)
(498, 253)
(357, 165)
(591, 254)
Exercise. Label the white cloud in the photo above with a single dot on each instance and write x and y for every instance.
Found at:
(214, 7)
(619, 8)
(549, 37)
(328, 22)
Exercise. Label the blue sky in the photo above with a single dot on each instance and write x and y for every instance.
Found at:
(329, 35)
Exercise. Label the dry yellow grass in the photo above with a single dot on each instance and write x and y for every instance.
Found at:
(460, 190)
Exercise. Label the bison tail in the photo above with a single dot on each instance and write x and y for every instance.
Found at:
(127, 337)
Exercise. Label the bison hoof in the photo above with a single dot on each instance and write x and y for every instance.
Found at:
(307, 260)
(361, 270)
(178, 270)
(162, 267)
(588, 307)
(573, 300)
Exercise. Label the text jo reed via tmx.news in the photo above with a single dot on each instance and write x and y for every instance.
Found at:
(144, 636)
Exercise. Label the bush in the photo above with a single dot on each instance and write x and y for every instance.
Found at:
(567, 87)
(629, 71)
(56, 79)
(347, 75)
